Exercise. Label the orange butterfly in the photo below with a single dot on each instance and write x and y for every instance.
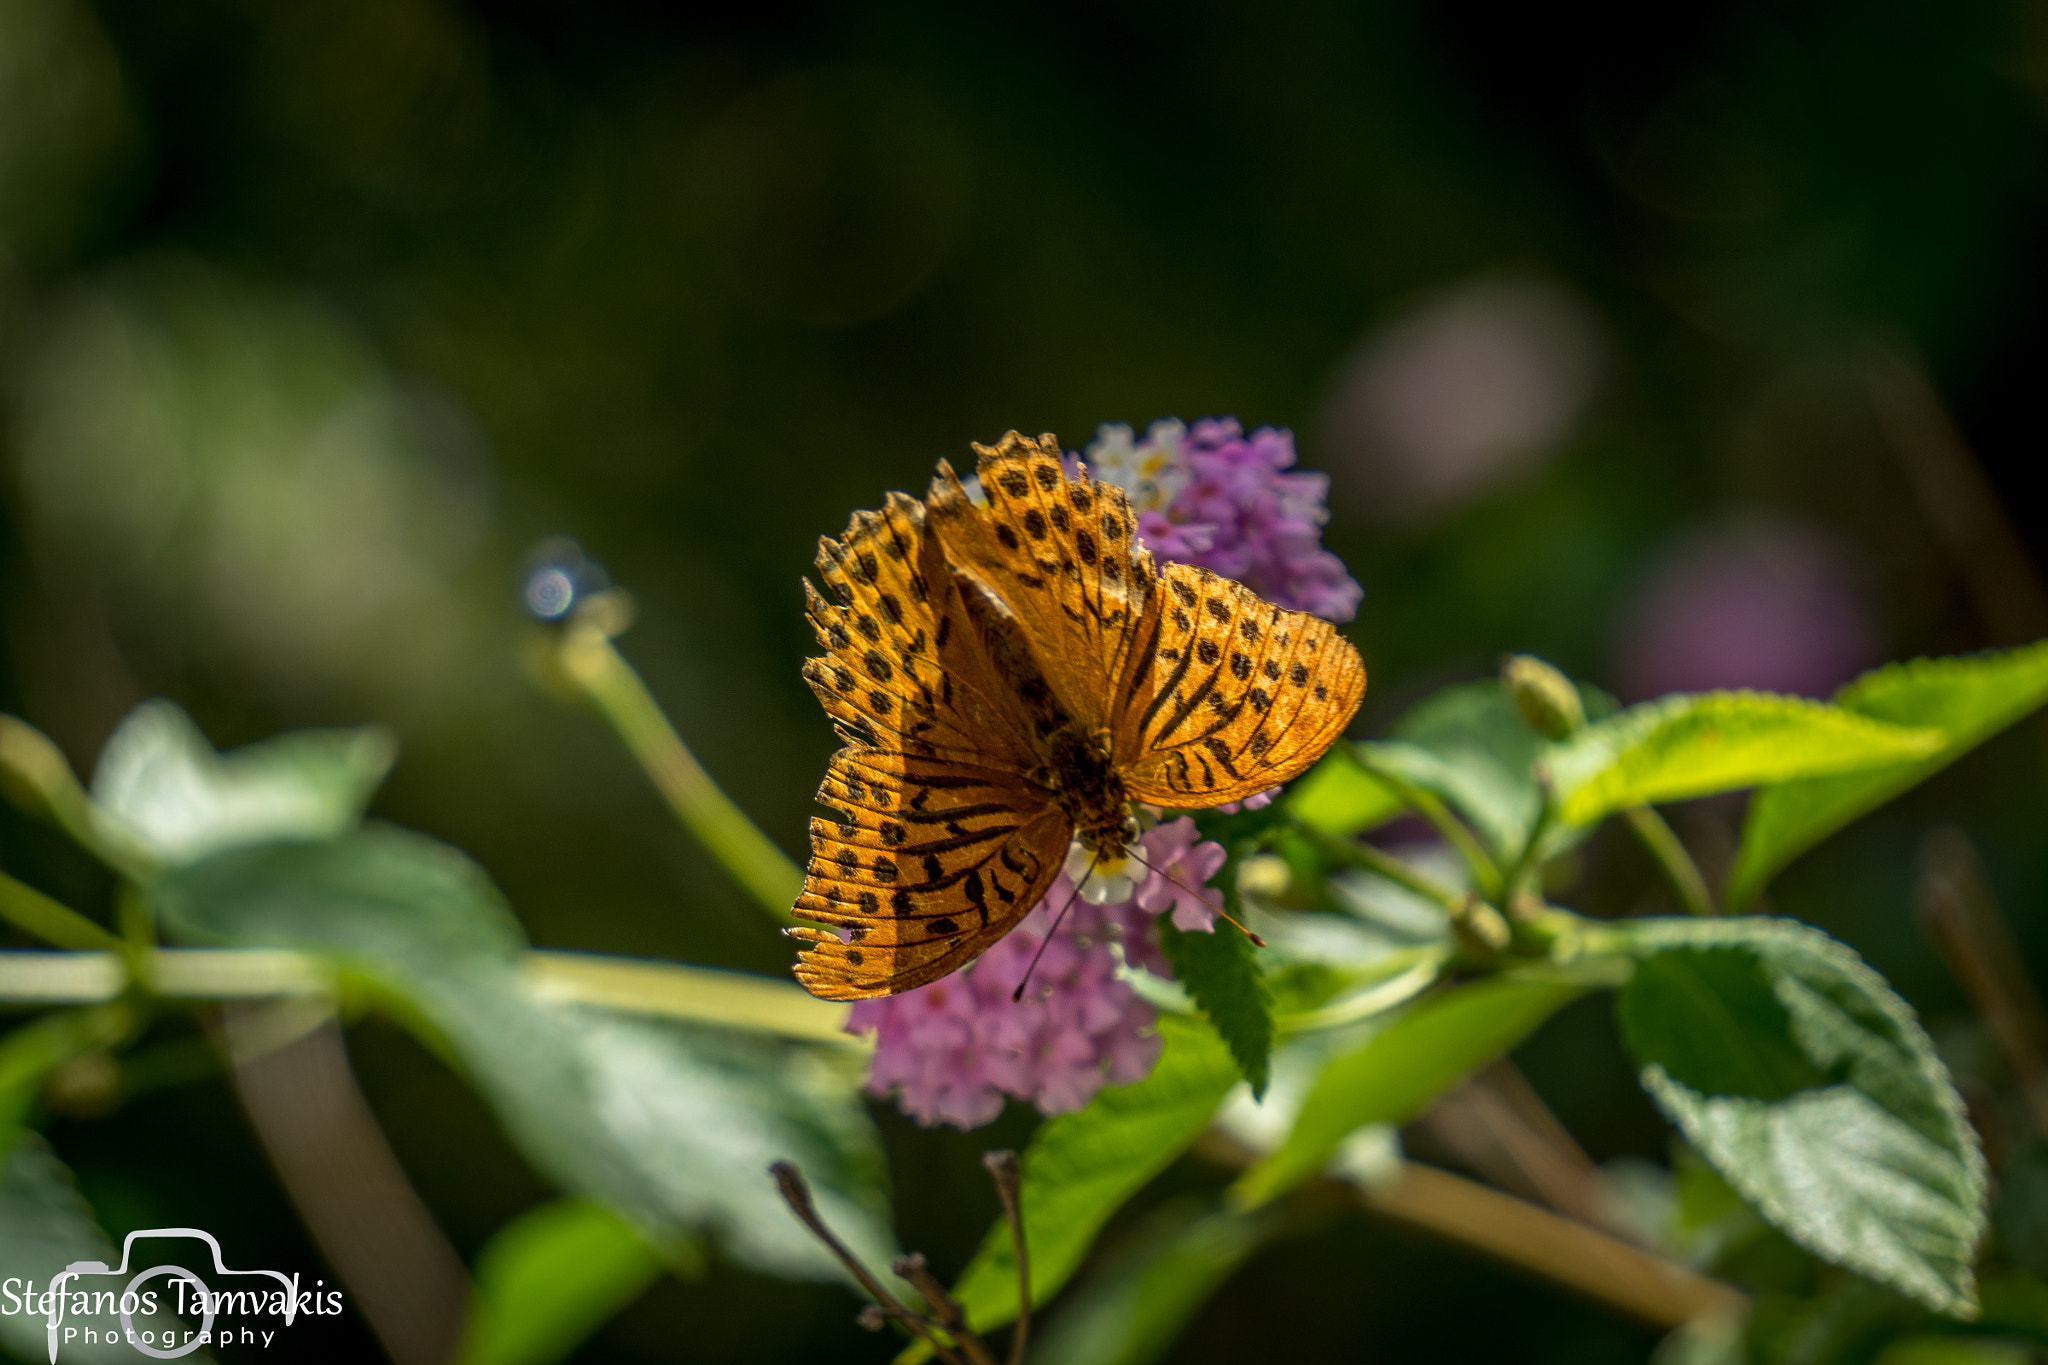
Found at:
(1008, 676)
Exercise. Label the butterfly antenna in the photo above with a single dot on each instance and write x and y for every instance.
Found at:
(1046, 942)
(1207, 904)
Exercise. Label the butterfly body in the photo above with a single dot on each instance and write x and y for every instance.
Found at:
(1009, 675)
(1080, 775)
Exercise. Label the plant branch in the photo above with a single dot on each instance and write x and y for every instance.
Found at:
(38, 779)
(735, 999)
(914, 1269)
(1384, 864)
(797, 1195)
(1960, 504)
(1485, 872)
(341, 1175)
(630, 985)
(599, 673)
(1961, 914)
(1407, 974)
(1533, 1240)
(1500, 1127)
(32, 912)
(1679, 868)
(1003, 1169)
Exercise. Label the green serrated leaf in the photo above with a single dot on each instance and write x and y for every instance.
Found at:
(1082, 1167)
(672, 1125)
(1152, 1286)
(1809, 1085)
(1695, 744)
(1970, 699)
(166, 789)
(550, 1278)
(1221, 972)
(1395, 1074)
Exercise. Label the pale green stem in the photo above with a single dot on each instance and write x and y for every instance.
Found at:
(736, 999)
(1384, 864)
(629, 985)
(1485, 872)
(42, 781)
(1407, 975)
(31, 911)
(1526, 872)
(590, 662)
(1679, 868)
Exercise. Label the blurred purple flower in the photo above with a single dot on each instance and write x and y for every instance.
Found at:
(1212, 496)
(1769, 605)
(951, 1051)
(1470, 390)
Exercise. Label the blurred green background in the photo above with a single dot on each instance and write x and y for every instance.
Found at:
(1688, 345)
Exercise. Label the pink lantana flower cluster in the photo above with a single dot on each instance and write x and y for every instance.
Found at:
(951, 1051)
(1212, 496)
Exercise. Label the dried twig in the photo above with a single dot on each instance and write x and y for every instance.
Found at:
(1500, 1126)
(1002, 1168)
(293, 1078)
(1607, 1270)
(949, 1319)
(1962, 916)
(798, 1196)
(1957, 499)
(944, 1307)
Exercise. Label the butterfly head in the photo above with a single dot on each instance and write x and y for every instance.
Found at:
(1100, 863)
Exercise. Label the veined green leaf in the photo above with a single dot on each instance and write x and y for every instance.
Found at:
(671, 1125)
(1970, 699)
(1809, 1085)
(167, 789)
(1392, 1076)
(1694, 744)
(551, 1277)
(1081, 1167)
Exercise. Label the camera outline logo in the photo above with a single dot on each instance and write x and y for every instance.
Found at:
(129, 1291)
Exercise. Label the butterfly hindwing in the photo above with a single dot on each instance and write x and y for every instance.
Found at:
(1227, 694)
(924, 863)
(1060, 554)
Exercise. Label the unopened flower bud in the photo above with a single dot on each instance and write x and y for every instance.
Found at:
(1548, 702)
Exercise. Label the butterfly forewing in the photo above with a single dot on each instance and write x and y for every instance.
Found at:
(923, 864)
(902, 670)
(1060, 555)
(1227, 694)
